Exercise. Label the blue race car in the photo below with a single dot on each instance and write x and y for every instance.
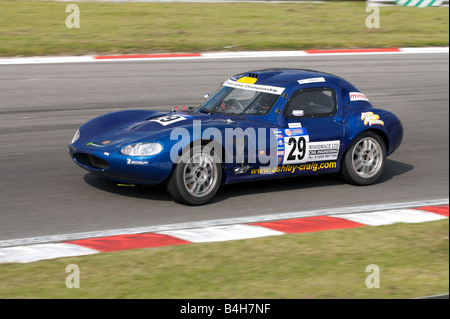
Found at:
(261, 124)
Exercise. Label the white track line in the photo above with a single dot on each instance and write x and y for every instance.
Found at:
(211, 55)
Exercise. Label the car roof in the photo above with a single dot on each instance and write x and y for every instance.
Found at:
(288, 78)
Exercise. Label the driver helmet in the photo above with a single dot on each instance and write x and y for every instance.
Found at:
(265, 101)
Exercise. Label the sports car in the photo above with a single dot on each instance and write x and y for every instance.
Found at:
(262, 124)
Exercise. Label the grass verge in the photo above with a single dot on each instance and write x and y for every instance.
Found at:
(31, 28)
(412, 258)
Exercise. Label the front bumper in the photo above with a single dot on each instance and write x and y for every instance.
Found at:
(149, 170)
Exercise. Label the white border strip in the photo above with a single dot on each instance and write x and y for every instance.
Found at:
(218, 222)
(40, 60)
(27, 254)
(389, 217)
(211, 55)
(222, 233)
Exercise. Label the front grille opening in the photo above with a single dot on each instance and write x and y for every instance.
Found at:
(90, 160)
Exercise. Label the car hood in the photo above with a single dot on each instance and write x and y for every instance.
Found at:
(116, 129)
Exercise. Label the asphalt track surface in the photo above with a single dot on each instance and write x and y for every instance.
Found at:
(42, 192)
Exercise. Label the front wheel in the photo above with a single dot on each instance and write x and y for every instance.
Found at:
(197, 176)
(365, 159)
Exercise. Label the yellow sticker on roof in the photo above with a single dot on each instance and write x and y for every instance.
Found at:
(247, 79)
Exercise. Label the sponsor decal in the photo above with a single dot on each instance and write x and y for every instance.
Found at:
(370, 119)
(295, 168)
(311, 80)
(294, 125)
(298, 131)
(319, 151)
(358, 96)
(136, 162)
(254, 87)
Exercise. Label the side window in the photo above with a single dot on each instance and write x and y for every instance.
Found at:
(314, 102)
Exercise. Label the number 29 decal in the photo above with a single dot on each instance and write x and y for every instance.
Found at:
(296, 149)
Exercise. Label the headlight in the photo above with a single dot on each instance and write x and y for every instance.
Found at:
(142, 149)
(76, 136)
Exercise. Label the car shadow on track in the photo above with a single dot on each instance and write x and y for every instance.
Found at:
(159, 193)
(135, 191)
(393, 169)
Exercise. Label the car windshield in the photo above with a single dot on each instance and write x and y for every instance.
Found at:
(237, 101)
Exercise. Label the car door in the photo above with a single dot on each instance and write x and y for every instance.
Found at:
(312, 132)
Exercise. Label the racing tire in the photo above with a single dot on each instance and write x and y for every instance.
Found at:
(196, 177)
(365, 159)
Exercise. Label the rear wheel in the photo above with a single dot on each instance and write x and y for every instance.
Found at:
(365, 159)
(197, 176)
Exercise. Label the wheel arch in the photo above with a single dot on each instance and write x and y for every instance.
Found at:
(201, 142)
(379, 132)
(383, 135)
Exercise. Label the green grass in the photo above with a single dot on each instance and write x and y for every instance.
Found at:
(38, 27)
(412, 258)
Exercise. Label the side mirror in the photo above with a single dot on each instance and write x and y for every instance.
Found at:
(298, 112)
(206, 95)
